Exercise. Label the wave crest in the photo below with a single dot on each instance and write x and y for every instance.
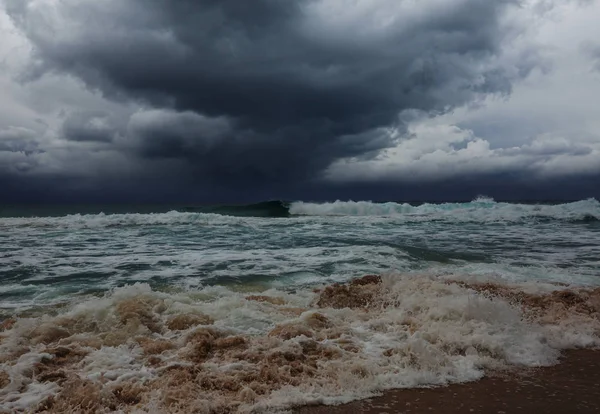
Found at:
(481, 209)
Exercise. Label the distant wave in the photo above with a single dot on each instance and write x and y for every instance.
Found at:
(274, 208)
(368, 208)
(480, 210)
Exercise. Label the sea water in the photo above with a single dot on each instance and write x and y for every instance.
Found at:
(236, 308)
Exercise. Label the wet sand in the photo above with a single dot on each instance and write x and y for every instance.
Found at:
(573, 386)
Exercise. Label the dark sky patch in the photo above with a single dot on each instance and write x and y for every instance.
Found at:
(230, 97)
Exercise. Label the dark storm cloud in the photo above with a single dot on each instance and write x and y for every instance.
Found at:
(95, 126)
(219, 147)
(593, 51)
(272, 92)
(18, 150)
(18, 140)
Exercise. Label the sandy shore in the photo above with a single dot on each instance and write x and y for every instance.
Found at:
(573, 386)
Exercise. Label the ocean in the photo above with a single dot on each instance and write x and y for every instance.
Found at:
(266, 307)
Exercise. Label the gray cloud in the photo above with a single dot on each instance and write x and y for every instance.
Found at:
(273, 92)
(167, 134)
(306, 94)
(18, 140)
(18, 147)
(592, 50)
(95, 126)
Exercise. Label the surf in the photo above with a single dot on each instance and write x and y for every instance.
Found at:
(480, 209)
(223, 351)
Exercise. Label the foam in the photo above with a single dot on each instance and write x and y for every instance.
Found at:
(220, 350)
(101, 220)
(56, 258)
(482, 209)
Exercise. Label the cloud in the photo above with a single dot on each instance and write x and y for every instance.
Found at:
(433, 151)
(95, 126)
(17, 140)
(277, 91)
(285, 95)
(283, 63)
(17, 147)
(592, 50)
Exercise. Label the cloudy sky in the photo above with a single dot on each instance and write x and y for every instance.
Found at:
(224, 100)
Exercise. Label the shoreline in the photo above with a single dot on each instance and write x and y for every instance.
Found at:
(571, 386)
(138, 349)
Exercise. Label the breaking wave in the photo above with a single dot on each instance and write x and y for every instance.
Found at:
(216, 350)
(480, 210)
(265, 209)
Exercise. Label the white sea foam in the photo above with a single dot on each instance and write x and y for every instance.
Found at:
(481, 209)
(215, 348)
(76, 255)
(82, 221)
(186, 346)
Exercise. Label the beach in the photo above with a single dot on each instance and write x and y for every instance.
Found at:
(130, 352)
(299, 206)
(572, 386)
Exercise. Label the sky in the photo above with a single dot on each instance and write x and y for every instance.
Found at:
(214, 101)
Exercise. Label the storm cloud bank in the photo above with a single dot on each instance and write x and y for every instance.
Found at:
(271, 95)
